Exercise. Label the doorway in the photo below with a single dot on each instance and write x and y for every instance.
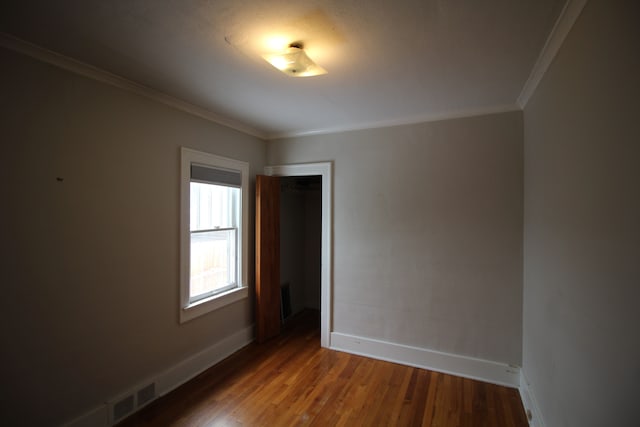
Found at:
(300, 244)
(324, 172)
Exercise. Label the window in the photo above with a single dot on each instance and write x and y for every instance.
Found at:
(213, 232)
(214, 238)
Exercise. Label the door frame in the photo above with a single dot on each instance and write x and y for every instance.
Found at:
(324, 169)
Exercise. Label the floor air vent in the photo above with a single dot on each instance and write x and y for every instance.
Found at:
(122, 408)
(146, 394)
(127, 404)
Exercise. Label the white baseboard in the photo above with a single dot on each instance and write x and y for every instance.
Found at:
(483, 370)
(468, 367)
(171, 378)
(199, 362)
(97, 417)
(529, 402)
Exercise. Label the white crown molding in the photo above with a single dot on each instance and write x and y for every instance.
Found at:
(45, 55)
(563, 25)
(462, 366)
(425, 118)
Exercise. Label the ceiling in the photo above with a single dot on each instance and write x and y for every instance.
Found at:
(388, 62)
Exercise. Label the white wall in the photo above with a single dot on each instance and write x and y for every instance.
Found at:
(90, 264)
(427, 232)
(582, 234)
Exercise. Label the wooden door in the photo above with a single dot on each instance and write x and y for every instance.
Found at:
(267, 257)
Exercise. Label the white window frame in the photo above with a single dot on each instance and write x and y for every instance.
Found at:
(190, 310)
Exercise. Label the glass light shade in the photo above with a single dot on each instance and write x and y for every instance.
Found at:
(294, 62)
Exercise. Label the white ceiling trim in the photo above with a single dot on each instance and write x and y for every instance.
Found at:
(45, 55)
(563, 25)
(458, 114)
(103, 76)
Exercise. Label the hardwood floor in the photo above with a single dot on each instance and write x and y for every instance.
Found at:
(290, 381)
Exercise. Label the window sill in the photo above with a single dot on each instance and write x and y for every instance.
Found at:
(213, 303)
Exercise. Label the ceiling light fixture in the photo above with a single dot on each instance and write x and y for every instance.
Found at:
(294, 62)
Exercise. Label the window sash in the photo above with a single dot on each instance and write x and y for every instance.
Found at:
(208, 264)
(221, 214)
(208, 208)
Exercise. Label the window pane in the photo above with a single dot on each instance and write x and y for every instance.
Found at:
(213, 261)
(213, 206)
(214, 218)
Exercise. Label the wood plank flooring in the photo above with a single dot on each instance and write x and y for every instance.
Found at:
(292, 381)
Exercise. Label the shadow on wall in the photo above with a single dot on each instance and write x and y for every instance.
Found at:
(300, 240)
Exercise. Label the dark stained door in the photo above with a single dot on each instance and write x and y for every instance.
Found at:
(267, 257)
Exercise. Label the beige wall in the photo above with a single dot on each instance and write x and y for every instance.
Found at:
(90, 264)
(427, 232)
(581, 224)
